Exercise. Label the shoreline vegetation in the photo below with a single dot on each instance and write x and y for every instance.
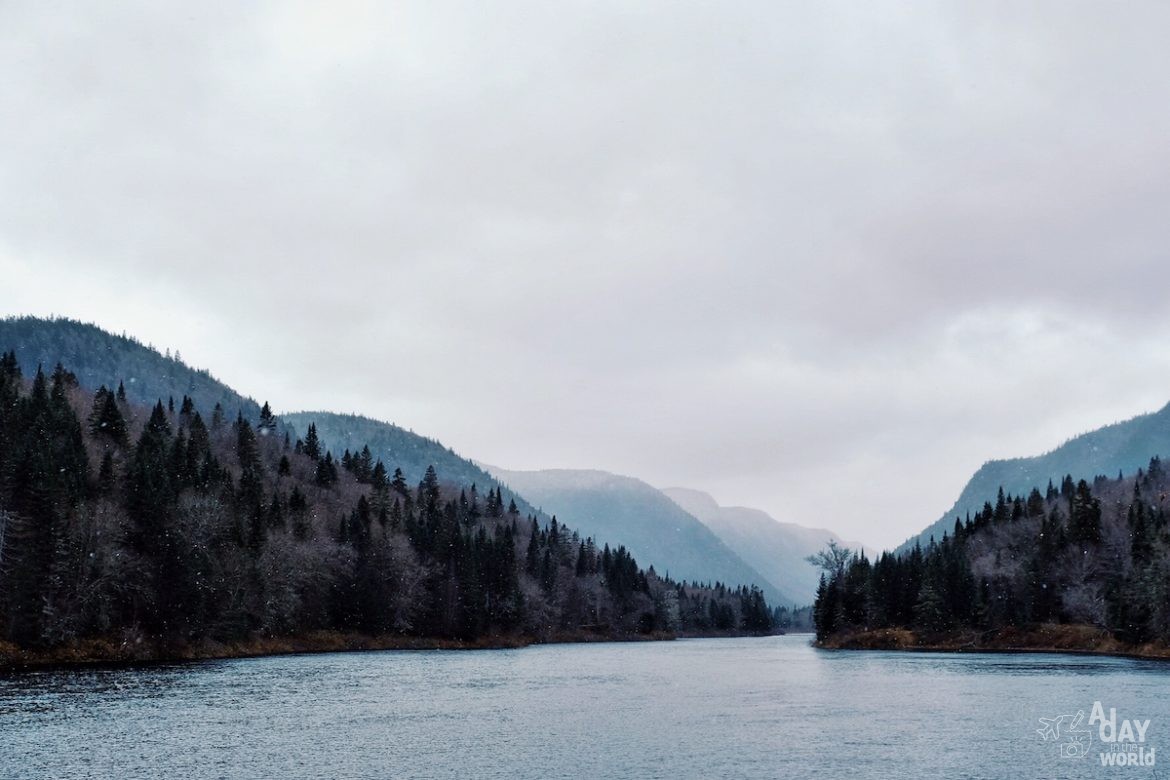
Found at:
(136, 533)
(104, 651)
(1045, 638)
(1079, 568)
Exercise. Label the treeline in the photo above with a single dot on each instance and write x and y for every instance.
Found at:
(1079, 554)
(98, 357)
(119, 520)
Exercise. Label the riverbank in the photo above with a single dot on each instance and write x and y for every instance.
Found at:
(112, 651)
(1046, 638)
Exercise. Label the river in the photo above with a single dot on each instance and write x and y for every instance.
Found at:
(706, 708)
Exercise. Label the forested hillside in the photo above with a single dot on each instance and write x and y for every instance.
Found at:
(145, 375)
(166, 525)
(1077, 554)
(99, 358)
(647, 522)
(1122, 447)
(407, 450)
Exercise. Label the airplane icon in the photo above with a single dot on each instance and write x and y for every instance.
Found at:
(1051, 728)
(1077, 737)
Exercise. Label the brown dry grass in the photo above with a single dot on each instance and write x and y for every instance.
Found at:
(1045, 638)
(110, 650)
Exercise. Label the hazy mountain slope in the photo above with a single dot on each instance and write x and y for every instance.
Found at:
(192, 535)
(1125, 447)
(397, 448)
(98, 357)
(622, 510)
(777, 550)
(101, 358)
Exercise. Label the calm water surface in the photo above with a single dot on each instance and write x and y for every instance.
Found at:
(726, 708)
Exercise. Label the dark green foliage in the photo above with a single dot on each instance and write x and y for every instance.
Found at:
(106, 419)
(149, 492)
(46, 472)
(609, 506)
(1124, 447)
(930, 610)
(1084, 522)
(411, 453)
(312, 445)
(326, 473)
(267, 424)
(251, 469)
(1096, 554)
(99, 358)
(107, 477)
(755, 615)
(223, 532)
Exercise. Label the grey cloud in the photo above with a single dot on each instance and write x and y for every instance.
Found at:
(823, 258)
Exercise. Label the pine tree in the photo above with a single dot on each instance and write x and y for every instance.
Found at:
(148, 487)
(930, 609)
(49, 476)
(1084, 524)
(106, 418)
(532, 556)
(106, 477)
(326, 471)
(312, 446)
(398, 484)
(251, 469)
(363, 466)
(267, 424)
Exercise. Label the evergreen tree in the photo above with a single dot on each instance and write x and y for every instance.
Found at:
(326, 471)
(267, 424)
(106, 419)
(930, 609)
(398, 484)
(1084, 525)
(251, 469)
(312, 446)
(148, 488)
(49, 476)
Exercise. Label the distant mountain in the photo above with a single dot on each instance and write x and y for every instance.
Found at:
(203, 536)
(398, 448)
(653, 528)
(101, 358)
(98, 357)
(1121, 447)
(1076, 568)
(777, 550)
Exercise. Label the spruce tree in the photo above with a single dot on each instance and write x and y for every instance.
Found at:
(148, 486)
(312, 445)
(267, 424)
(1084, 524)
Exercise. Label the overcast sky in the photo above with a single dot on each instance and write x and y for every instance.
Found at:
(823, 259)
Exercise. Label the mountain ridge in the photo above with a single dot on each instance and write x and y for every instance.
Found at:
(412, 452)
(1122, 447)
(776, 548)
(628, 510)
(99, 357)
